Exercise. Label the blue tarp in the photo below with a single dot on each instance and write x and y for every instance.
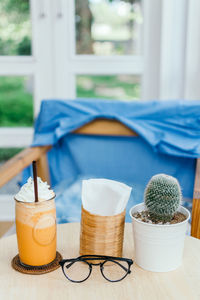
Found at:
(168, 142)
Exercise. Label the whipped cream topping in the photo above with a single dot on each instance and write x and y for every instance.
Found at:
(26, 193)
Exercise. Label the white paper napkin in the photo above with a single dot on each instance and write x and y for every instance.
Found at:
(105, 197)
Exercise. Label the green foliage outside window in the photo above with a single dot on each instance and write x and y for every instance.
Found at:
(16, 106)
(15, 27)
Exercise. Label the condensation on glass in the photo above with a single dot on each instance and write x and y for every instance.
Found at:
(117, 87)
(15, 27)
(108, 27)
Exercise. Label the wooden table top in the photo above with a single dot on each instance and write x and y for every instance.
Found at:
(183, 283)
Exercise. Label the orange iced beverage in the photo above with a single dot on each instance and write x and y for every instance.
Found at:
(36, 231)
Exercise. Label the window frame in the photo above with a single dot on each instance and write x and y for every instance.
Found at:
(76, 64)
(54, 64)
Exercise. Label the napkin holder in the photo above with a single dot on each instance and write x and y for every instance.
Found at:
(101, 235)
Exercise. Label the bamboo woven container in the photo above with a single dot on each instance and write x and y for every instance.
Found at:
(102, 235)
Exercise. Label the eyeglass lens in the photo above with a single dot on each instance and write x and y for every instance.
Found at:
(114, 270)
(77, 271)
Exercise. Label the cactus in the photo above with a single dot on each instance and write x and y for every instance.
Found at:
(162, 197)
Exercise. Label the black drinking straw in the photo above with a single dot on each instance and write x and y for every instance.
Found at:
(35, 180)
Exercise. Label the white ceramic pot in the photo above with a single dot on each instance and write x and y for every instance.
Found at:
(158, 248)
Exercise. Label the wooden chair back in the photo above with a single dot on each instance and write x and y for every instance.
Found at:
(97, 127)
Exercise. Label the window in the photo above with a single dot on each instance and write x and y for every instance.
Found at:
(16, 73)
(99, 38)
(68, 49)
(108, 27)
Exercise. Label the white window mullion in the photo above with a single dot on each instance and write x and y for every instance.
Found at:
(164, 49)
(42, 43)
(192, 69)
(173, 44)
(63, 45)
(15, 65)
(15, 137)
(152, 40)
(107, 65)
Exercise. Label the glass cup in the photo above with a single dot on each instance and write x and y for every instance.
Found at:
(36, 231)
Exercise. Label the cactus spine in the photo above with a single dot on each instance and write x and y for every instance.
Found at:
(162, 197)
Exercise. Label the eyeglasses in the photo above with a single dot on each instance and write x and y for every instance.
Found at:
(113, 269)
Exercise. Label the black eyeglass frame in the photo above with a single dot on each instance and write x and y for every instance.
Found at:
(85, 258)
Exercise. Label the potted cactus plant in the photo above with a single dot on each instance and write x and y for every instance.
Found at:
(159, 225)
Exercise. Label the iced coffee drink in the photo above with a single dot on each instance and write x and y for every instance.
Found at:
(36, 224)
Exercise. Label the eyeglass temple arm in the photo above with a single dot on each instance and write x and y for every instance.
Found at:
(130, 262)
(72, 261)
(106, 257)
(125, 269)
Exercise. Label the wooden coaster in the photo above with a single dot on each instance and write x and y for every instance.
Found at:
(16, 264)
